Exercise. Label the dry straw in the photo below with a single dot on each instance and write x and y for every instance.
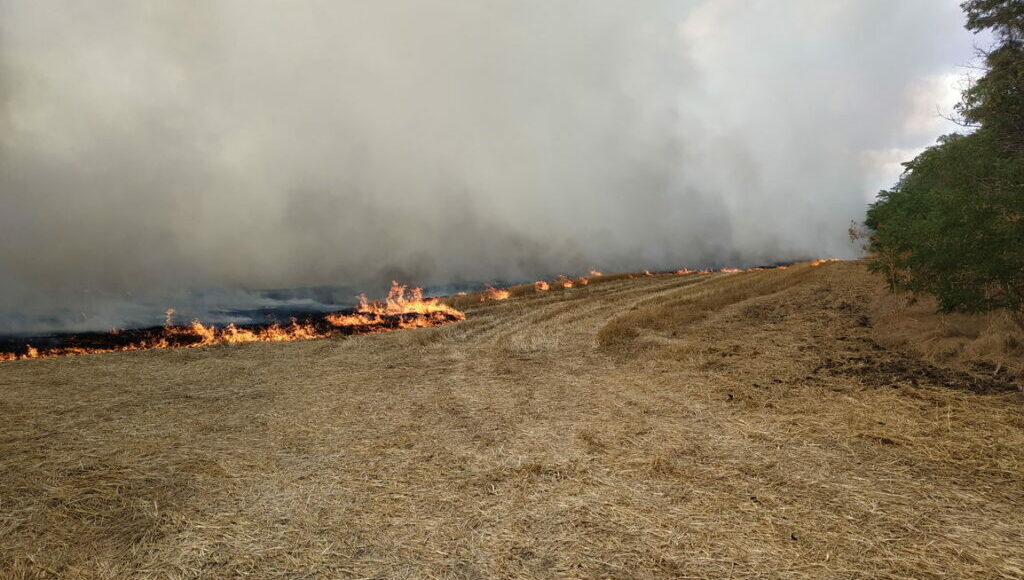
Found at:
(780, 424)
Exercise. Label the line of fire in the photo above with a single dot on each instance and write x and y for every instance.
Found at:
(403, 308)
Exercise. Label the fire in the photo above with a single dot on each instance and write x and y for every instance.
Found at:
(412, 311)
(648, 274)
(583, 281)
(493, 293)
(564, 281)
(730, 270)
(403, 308)
(596, 273)
(541, 286)
(817, 263)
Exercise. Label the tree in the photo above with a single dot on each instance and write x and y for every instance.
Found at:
(953, 226)
(994, 101)
(1005, 18)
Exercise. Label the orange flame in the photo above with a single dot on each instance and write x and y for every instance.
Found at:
(596, 273)
(564, 281)
(541, 286)
(398, 311)
(193, 335)
(817, 263)
(426, 312)
(493, 293)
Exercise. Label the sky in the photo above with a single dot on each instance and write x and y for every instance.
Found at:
(153, 149)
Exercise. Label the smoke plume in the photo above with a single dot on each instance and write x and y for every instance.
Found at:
(150, 150)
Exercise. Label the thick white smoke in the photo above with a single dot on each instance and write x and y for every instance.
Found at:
(151, 148)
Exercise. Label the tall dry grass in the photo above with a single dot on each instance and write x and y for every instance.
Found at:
(991, 342)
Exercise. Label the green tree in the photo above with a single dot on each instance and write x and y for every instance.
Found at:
(953, 226)
(1005, 18)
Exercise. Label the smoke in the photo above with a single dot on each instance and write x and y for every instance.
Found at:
(149, 149)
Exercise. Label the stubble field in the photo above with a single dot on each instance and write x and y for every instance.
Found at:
(788, 423)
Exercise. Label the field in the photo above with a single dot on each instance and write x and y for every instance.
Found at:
(793, 423)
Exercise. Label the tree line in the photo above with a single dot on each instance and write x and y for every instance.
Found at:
(953, 225)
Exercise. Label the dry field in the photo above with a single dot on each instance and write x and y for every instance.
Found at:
(776, 424)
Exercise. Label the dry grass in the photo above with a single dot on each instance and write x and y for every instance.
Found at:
(761, 429)
(990, 343)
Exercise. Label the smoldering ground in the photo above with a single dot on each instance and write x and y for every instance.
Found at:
(150, 149)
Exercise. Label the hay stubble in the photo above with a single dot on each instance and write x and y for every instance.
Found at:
(767, 435)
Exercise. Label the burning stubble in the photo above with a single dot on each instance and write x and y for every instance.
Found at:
(403, 309)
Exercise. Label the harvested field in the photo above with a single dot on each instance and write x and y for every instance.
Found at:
(770, 424)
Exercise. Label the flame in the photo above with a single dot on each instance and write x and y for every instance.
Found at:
(413, 311)
(401, 309)
(493, 293)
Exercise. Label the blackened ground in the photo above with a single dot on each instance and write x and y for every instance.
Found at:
(123, 339)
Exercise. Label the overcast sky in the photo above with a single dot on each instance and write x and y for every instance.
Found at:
(148, 148)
